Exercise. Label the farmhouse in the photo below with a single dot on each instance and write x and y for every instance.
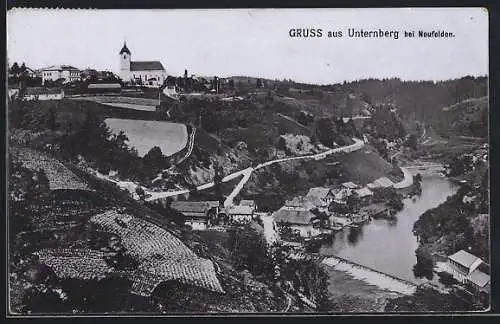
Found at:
(55, 72)
(240, 213)
(319, 196)
(464, 267)
(250, 203)
(149, 73)
(364, 194)
(40, 93)
(350, 185)
(380, 183)
(302, 221)
(298, 204)
(197, 213)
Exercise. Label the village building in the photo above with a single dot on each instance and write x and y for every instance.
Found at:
(198, 214)
(41, 93)
(302, 222)
(240, 214)
(67, 73)
(148, 73)
(247, 202)
(298, 204)
(383, 182)
(319, 197)
(364, 195)
(464, 268)
(350, 185)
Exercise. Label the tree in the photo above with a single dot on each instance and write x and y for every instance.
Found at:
(249, 249)
(425, 264)
(14, 69)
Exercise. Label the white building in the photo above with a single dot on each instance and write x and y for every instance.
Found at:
(464, 268)
(148, 73)
(67, 72)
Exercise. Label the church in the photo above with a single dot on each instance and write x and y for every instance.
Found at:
(148, 73)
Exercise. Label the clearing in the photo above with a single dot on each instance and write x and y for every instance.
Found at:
(145, 134)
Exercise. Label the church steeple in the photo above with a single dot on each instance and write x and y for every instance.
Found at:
(125, 49)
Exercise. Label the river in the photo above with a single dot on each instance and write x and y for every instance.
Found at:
(389, 246)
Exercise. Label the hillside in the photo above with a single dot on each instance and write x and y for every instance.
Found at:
(465, 118)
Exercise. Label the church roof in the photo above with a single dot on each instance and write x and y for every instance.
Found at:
(125, 49)
(146, 66)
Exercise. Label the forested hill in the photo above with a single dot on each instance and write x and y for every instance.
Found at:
(415, 100)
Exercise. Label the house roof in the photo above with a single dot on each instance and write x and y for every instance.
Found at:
(146, 66)
(350, 185)
(35, 91)
(479, 278)
(240, 210)
(60, 68)
(302, 202)
(302, 217)
(193, 206)
(125, 49)
(384, 182)
(363, 192)
(246, 202)
(464, 258)
(318, 192)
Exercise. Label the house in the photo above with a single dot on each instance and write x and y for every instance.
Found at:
(55, 72)
(41, 93)
(464, 268)
(298, 204)
(247, 202)
(340, 195)
(197, 213)
(149, 73)
(302, 221)
(383, 182)
(319, 196)
(240, 214)
(364, 194)
(350, 185)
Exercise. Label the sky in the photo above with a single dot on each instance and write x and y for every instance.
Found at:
(256, 42)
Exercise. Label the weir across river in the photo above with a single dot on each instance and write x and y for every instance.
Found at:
(369, 275)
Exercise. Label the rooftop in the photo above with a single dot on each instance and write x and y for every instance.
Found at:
(146, 66)
(318, 192)
(350, 185)
(479, 278)
(464, 258)
(240, 210)
(60, 68)
(33, 91)
(194, 206)
(363, 192)
(302, 217)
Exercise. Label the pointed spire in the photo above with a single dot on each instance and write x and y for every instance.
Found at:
(125, 48)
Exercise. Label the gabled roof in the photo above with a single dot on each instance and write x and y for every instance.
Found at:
(384, 182)
(125, 49)
(350, 185)
(464, 258)
(247, 202)
(146, 66)
(62, 67)
(240, 210)
(363, 192)
(302, 217)
(193, 206)
(318, 192)
(479, 278)
(301, 202)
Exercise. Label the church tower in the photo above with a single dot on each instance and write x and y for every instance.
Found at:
(125, 57)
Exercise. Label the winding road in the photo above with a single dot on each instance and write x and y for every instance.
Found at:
(246, 173)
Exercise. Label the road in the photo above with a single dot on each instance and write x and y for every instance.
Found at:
(246, 173)
(406, 182)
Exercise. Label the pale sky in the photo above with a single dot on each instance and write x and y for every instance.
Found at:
(256, 42)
